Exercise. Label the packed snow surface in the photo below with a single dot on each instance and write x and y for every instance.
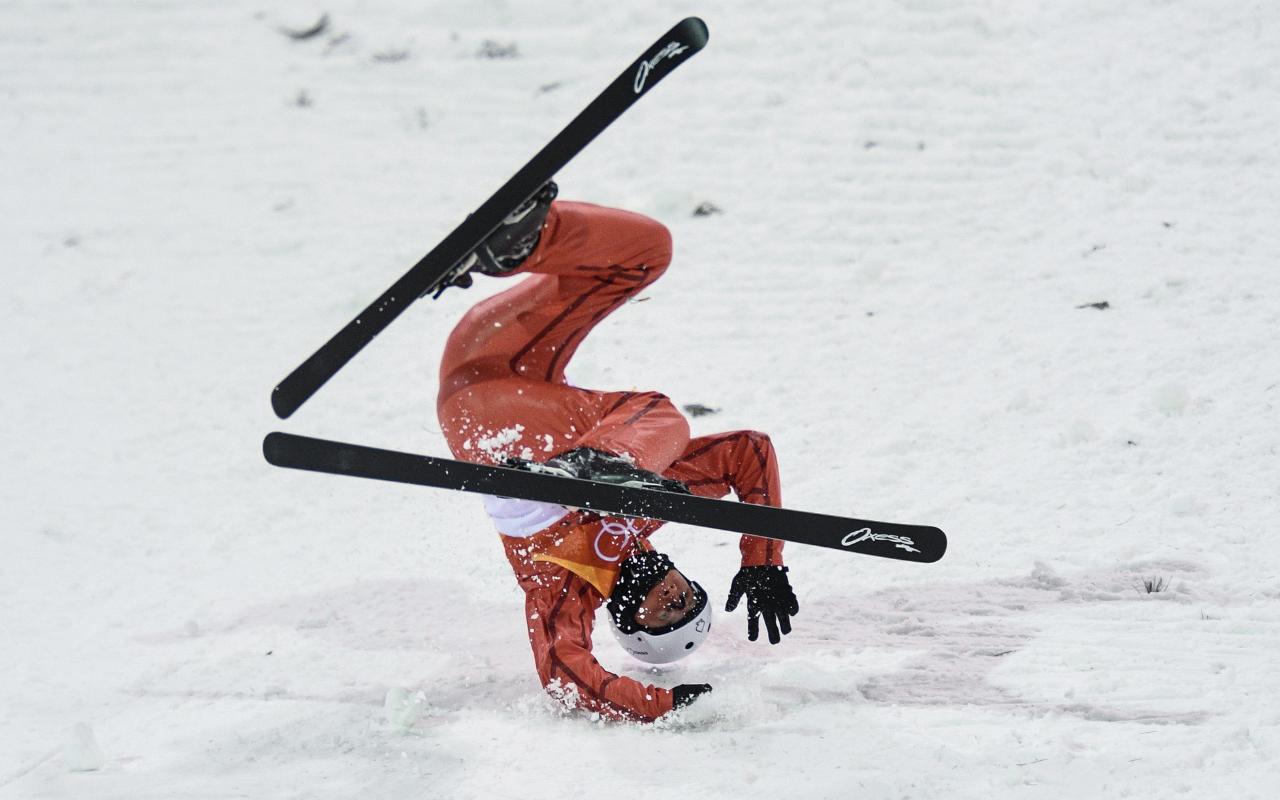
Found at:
(1009, 268)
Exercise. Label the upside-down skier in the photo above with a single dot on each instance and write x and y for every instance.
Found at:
(504, 400)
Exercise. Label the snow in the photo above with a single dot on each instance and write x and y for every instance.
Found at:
(920, 201)
(402, 707)
(81, 752)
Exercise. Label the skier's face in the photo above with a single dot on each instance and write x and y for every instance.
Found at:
(667, 603)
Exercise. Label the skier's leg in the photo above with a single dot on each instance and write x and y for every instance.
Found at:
(589, 261)
(503, 369)
(580, 240)
(644, 426)
(601, 258)
(536, 421)
(743, 462)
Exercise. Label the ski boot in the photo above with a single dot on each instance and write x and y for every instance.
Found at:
(508, 246)
(596, 465)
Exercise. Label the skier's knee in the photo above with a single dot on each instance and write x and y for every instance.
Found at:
(758, 440)
(656, 248)
(665, 247)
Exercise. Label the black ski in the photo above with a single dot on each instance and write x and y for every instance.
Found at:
(885, 539)
(670, 51)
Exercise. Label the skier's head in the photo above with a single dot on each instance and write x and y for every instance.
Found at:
(658, 614)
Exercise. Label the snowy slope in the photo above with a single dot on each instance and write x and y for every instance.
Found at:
(917, 197)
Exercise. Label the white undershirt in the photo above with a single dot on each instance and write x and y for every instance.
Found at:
(522, 518)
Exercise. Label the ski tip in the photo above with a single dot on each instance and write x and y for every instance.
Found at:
(280, 405)
(938, 548)
(271, 447)
(696, 30)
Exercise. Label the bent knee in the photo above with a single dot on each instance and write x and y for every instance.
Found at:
(663, 246)
(757, 439)
(651, 246)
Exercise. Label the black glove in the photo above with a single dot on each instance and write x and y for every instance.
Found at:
(686, 693)
(769, 593)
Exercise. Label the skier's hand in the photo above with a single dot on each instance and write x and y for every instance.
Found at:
(769, 594)
(686, 693)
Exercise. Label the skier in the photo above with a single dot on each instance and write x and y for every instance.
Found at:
(504, 399)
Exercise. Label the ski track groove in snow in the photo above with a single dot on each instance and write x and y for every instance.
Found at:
(917, 197)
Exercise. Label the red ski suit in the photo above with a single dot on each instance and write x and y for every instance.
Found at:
(503, 393)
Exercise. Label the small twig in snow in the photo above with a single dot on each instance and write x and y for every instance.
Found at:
(336, 41)
(699, 410)
(491, 49)
(391, 56)
(321, 25)
(1153, 585)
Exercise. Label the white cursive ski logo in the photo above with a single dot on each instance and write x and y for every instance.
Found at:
(865, 535)
(672, 50)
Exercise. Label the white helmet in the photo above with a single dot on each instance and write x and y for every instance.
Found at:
(672, 642)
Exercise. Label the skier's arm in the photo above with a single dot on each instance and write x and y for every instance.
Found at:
(763, 581)
(742, 462)
(560, 619)
(758, 551)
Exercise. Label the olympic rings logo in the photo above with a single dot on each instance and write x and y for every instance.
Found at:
(614, 529)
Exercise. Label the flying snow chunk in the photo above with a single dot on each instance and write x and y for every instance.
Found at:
(1044, 576)
(81, 752)
(1080, 431)
(402, 707)
(1184, 505)
(1171, 399)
